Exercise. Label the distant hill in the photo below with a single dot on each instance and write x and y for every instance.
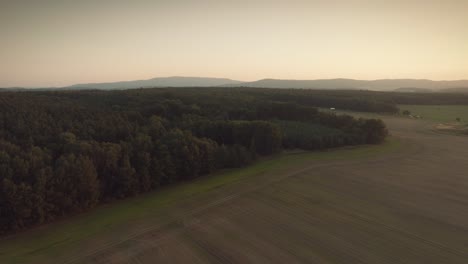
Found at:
(13, 89)
(377, 85)
(413, 90)
(175, 81)
(455, 90)
(399, 85)
(306, 84)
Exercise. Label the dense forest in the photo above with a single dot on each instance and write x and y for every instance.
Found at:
(63, 152)
(362, 100)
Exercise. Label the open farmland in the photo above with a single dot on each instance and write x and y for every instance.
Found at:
(439, 113)
(404, 202)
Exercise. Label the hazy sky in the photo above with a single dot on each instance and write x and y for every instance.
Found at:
(62, 42)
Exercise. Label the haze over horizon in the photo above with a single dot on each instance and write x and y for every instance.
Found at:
(59, 43)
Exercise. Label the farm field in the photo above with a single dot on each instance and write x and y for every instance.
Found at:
(49, 242)
(402, 202)
(439, 113)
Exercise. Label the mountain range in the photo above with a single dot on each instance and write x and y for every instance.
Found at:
(404, 85)
(175, 81)
(400, 85)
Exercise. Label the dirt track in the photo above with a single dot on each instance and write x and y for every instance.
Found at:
(406, 207)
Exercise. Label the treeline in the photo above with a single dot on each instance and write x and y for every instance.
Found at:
(363, 100)
(435, 98)
(359, 100)
(313, 136)
(66, 152)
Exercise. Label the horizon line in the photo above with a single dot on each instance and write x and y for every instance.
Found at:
(204, 77)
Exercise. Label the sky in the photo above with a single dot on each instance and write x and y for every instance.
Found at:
(45, 43)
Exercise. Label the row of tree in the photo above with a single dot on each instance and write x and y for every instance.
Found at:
(65, 152)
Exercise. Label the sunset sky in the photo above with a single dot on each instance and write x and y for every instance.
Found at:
(62, 42)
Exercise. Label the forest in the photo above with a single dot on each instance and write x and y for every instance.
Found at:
(360, 100)
(64, 152)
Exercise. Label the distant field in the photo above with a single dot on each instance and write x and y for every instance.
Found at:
(439, 113)
(63, 240)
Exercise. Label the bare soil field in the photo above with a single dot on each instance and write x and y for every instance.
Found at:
(408, 206)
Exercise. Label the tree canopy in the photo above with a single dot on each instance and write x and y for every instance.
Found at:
(63, 152)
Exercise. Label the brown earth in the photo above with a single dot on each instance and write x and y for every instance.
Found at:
(405, 207)
(455, 128)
